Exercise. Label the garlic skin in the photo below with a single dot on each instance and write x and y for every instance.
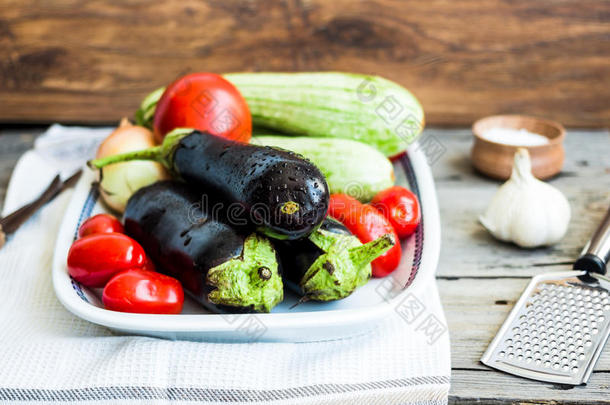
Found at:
(525, 210)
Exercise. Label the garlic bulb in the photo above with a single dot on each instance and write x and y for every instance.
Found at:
(525, 210)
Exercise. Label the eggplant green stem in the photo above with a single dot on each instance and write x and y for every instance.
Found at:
(363, 255)
(163, 153)
(344, 265)
(153, 153)
(251, 280)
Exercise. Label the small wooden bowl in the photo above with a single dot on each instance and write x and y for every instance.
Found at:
(496, 159)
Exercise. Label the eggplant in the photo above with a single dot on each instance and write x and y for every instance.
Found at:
(280, 192)
(331, 263)
(225, 268)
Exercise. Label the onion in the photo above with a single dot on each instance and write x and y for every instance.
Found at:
(121, 180)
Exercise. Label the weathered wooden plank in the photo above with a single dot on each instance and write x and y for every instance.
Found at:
(94, 61)
(492, 388)
(475, 309)
(467, 248)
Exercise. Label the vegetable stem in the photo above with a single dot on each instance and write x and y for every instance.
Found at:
(162, 154)
(343, 266)
(251, 280)
(362, 255)
(154, 153)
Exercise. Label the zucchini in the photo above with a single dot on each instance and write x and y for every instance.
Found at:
(364, 108)
(350, 167)
(369, 109)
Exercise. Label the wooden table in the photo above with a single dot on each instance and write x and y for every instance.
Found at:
(463, 59)
(479, 278)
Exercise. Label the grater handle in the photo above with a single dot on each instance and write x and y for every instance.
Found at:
(596, 254)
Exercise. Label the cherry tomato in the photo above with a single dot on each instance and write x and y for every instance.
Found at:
(143, 291)
(100, 223)
(203, 101)
(149, 264)
(367, 224)
(400, 207)
(94, 259)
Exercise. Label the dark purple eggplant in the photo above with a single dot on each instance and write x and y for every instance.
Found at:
(331, 263)
(227, 269)
(280, 192)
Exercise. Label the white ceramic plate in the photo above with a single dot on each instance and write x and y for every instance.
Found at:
(306, 322)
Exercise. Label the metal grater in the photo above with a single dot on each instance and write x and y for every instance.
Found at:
(558, 328)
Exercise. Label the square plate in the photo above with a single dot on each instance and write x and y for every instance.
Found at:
(309, 321)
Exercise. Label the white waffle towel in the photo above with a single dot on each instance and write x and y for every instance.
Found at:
(49, 355)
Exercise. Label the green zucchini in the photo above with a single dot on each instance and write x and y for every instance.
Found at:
(364, 108)
(350, 167)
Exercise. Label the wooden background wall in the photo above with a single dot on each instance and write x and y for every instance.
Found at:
(92, 61)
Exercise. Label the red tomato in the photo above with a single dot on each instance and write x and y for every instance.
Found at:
(94, 259)
(143, 291)
(100, 223)
(400, 207)
(203, 101)
(367, 224)
(149, 264)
